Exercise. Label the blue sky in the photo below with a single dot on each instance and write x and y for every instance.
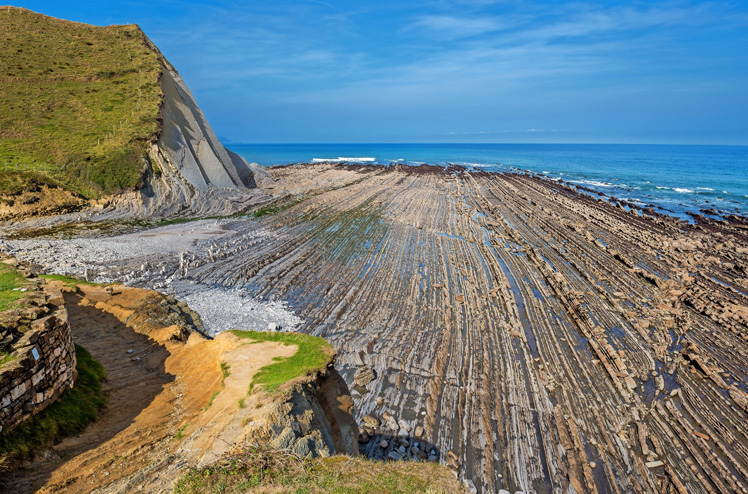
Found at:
(452, 70)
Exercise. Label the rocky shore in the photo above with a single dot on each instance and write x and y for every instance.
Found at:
(530, 336)
(160, 259)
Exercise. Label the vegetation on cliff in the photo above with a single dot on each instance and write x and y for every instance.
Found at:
(78, 103)
(67, 280)
(312, 354)
(259, 470)
(10, 281)
(75, 409)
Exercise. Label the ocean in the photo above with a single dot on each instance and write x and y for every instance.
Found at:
(675, 179)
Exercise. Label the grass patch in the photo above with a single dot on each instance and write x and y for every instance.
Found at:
(78, 103)
(9, 280)
(265, 471)
(274, 208)
(241, 403)
(75, 409)
(225, 372)
(180, 433)
(312, 353)
(6, 357)
(210, 401)
(16, 183)
(67, 279)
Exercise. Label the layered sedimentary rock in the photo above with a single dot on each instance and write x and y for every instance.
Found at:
(531, 337)
(188, 170)
(552, 340)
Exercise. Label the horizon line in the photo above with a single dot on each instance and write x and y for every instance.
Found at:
(300, 143)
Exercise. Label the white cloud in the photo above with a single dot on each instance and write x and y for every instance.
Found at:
(453, 26)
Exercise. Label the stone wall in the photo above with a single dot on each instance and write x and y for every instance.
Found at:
(43, 365)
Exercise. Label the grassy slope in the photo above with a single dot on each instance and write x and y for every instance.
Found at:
(67, 280)
(70, 414)
(9, 280)
(262, 471)
(312, 354)
(81, 98)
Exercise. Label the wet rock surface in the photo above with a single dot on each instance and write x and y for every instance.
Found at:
(532, 338)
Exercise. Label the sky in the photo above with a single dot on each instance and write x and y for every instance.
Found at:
(307, 71)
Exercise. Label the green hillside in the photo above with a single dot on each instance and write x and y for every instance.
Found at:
(78, 103)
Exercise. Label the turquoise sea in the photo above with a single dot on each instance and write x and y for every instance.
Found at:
(673, 178)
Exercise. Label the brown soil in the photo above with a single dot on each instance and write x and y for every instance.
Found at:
(159, 386)
(43, 201)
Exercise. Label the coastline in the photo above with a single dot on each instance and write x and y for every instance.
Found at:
(676, 178)
(530, 329)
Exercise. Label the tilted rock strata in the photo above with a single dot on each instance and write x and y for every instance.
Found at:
(189, 170)
(539, 338)
(540, 330)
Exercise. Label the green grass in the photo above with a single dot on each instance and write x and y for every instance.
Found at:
(6, 357)
(14, 184)
(210, 401)
(225, 372)
(75, 409)
(274, 208)
(67, 279)
(312, 354)
(10, 279)
(258, 470)
(80, 100)
(180, 433)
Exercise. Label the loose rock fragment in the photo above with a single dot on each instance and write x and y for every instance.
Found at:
(364, 375)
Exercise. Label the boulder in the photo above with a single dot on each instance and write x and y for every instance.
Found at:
(470, 487)
(364, 375)
(371, 421)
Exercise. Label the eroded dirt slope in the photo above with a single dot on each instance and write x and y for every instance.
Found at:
(161, 378)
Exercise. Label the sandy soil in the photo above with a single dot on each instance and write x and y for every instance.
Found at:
(159, 387)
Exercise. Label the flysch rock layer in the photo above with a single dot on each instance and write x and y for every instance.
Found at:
(191, 172)
(188, 171)
(531, 337)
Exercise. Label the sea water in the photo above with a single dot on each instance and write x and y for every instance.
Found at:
(675, 179)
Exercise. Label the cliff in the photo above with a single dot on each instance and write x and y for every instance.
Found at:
(178, 399)
(96, 116)
(188, 170)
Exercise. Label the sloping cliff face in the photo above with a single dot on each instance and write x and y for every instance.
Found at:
(188, 170)
(314, 418)
(95, 123)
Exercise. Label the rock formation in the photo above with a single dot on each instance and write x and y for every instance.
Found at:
(189, 171)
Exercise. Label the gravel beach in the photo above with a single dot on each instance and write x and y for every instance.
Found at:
(158, 259)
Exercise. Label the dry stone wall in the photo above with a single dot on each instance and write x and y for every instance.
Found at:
(43, 366)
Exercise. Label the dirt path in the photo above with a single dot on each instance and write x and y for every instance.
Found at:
(158, 390)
